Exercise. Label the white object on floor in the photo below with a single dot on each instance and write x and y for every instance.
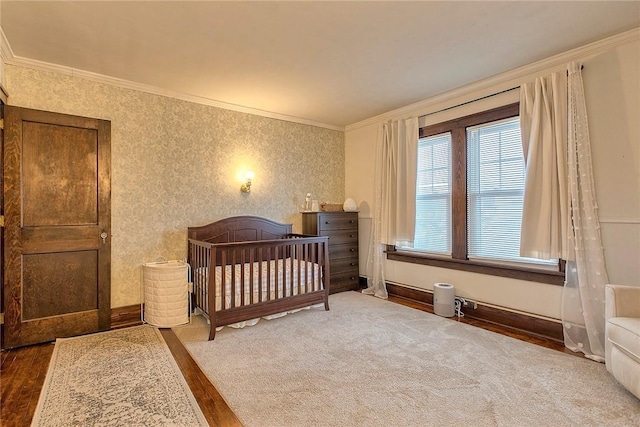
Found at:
(166, 293)
(444, 296)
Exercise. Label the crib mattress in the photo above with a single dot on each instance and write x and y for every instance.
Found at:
(282, 274)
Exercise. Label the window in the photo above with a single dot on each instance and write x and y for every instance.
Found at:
(469, 197)
(495, 189)
(433, 195)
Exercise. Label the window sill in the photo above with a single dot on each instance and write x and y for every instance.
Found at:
(520, 273)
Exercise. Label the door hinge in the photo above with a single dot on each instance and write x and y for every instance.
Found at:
(2, 124)
(1, 220)
(1, 318)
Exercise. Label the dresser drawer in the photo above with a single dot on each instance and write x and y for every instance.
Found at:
(341, 265)
(341, 237)
(343, 285)
(345, 276)
(348, 281)
(338, 221)
(343, 250)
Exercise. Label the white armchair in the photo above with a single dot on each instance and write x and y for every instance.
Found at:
(622, 335)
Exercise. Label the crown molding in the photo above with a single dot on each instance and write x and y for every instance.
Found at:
(5, 54)
(502, 81)
(8, 57)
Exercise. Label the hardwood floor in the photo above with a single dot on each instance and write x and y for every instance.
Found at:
(211, 403)
(23, 371)
(22, 375)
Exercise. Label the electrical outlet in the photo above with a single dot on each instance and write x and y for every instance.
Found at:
(467, 303)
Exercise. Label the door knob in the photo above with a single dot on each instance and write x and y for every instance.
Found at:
(103, 236)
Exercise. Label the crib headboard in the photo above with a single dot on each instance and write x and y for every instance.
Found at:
(239, 229)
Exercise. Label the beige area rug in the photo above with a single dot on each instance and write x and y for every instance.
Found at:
(125, 377)
(369, 362)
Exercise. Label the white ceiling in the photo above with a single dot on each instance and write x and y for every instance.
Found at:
(327, 62)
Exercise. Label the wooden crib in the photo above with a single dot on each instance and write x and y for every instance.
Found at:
(261, 269)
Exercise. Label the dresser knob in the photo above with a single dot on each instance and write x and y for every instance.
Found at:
(353, 263)
(326, 222)
(353, 250)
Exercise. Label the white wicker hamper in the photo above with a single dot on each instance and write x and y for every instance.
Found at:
(166, 293)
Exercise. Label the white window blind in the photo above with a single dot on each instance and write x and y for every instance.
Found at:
(495, 189)
(433, 195)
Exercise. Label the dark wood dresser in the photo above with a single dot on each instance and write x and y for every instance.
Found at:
(342, 230)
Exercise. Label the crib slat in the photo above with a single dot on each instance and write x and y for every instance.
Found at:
(323, 262)
(267, 258)
(285, 273)
(311, 269)
(241, 283)
(251, 274)
(274, 292)
(301, 278)
(308, 286)
(260, 275)
(314, 256)
(299, 261)
(282, 271)
(306, 268)
(291, 280)
(278, 276)
(234, 278)
(223, 264)
(201, 277)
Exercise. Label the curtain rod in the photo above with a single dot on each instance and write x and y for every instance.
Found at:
(471, 101)
(477, 99)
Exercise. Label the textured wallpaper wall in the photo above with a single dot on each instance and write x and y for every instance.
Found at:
(175, 164)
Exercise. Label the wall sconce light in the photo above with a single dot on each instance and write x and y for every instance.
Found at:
(246, 186)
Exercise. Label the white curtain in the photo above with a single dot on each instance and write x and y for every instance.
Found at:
(560, 218)
(394, 204)
(583, 303)
(543, 121)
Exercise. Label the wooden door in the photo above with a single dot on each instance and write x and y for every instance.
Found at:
(1, 223)
(57, 207)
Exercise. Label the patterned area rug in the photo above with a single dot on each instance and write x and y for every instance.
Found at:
(125, 377)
